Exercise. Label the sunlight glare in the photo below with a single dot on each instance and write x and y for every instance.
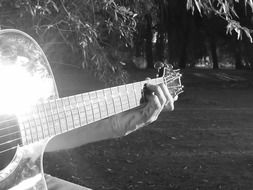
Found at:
(20, 89)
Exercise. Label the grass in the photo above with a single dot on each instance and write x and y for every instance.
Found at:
(206, 143)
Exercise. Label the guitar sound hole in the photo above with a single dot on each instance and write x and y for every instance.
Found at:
(10, 138)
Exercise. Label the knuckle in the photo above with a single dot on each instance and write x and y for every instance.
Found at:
(157, 88)
(164, 100)
(170, 106)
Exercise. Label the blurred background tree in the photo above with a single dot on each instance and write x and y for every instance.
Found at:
(108, 36)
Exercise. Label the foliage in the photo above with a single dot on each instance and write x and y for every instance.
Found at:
(89, 27)
(227, 10)
(98, 29)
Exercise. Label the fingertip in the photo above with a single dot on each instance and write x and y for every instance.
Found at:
(175, 98)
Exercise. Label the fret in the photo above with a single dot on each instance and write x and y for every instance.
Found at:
(76, 118)
(50, 120)
(74, 112)
(41, 126)
(137, 91)
(33, 127)
(62, 115)
(30, 129)
(53, 116)
(109, 102)
(63, 121)
(105, 103)
(78, 112)
(56, 124)
(131, 96)
(69, 118)
(65, 106)
(56, 117)
(120, 99)
(124, 97)
(45, 120)
(28, 133)
(101, 103)
(82, 111)
(116, 99)
(94, 105)
(38, 128)
(69, 114)
(89, 109)
(134, 94)
(96, 112)
(127, 97)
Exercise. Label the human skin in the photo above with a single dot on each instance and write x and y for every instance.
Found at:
(157, 100)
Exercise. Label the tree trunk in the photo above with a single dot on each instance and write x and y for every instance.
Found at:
(237, 54)
(148, 43)
(183, 53)
(160, 46)
(214, 53)
(160, 42)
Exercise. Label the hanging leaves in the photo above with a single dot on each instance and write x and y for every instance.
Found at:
(225, 9)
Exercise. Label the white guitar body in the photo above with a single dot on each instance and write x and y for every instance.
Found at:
(25, 168)
(25, 171)
(26, 81)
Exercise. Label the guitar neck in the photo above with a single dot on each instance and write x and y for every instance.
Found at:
(64, 114)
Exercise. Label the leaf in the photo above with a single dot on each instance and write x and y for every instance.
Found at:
(249, 36)
(198, 5)
(250, 2)
(239, 33)
(189, 4)
(55, 6)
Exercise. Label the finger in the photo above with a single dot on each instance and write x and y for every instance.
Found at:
(175, 98)
(158, 92)
(169, 105)
(152, 109)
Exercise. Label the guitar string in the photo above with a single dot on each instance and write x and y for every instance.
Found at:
(10, 141)
(19, 131)
(9, 120)
(12, 126)
(8, 134)
(166, 79)
(9, 149)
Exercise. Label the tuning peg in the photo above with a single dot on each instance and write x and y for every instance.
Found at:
(158, 65)
(169, 66)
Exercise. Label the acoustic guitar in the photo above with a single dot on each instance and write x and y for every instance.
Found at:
(31, 112)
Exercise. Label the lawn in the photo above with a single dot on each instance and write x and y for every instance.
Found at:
(206, 143)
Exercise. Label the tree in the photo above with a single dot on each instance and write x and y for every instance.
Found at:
(89, 28)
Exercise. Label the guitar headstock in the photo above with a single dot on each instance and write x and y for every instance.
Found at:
(171, 77)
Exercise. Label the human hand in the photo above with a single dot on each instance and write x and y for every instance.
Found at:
(158, 99)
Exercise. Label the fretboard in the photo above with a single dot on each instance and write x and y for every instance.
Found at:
(65, 114)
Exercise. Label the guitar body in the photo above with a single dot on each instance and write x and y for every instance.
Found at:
(31, 112)
(20, 161)
(25, 171)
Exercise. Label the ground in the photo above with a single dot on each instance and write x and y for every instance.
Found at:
(206, 143)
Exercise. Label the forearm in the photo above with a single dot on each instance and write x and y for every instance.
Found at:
(112, 127)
